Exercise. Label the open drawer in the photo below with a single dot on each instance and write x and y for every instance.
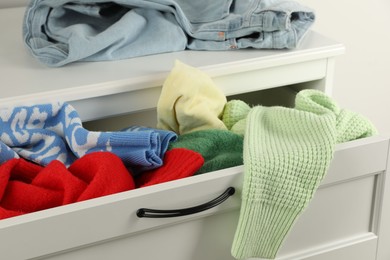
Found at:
(341, 222)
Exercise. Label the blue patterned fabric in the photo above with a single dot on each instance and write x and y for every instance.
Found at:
(46, 132)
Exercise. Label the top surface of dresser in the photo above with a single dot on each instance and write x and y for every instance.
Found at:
(25, 80)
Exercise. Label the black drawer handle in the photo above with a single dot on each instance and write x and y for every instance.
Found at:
(157, 213)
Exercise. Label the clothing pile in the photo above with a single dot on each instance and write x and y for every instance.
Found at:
(49, 159)
(58, 32)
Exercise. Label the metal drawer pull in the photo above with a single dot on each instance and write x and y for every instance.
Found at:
(157, 213)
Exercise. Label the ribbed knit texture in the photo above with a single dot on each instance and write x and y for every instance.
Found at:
(26, 187)
(349, 125)
(286, 155)
(178, 163)
(147, 159)
(189, 101)
(220, 148)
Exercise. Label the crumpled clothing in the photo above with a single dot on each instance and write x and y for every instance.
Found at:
(178, 163)
(189, 101)
(26, 187)
(220, 149)
(53, 131)
(287, 152)
(59, 32)
(350, 125)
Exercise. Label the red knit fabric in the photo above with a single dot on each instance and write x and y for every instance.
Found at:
(26, 187)
(106, 175)
(178, 163)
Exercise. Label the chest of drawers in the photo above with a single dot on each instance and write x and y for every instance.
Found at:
(345, 220)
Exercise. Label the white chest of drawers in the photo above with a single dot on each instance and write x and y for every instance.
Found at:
(347, 218)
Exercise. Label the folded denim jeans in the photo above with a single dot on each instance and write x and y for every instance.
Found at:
(59, 32)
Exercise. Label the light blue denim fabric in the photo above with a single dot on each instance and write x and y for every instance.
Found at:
(59, 32)
(62, 31)
(261, 24)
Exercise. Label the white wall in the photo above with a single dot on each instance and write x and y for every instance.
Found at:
(12, 3)
(362, 81)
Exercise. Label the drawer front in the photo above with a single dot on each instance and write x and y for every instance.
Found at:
(113, 216)
(344, 209)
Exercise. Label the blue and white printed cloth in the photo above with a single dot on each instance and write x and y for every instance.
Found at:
(54, 131)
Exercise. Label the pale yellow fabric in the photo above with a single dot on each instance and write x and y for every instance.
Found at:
(190, 101)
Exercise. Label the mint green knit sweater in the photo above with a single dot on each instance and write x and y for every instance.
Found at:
(286, 155)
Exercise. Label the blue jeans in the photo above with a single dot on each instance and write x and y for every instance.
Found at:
(61, 31)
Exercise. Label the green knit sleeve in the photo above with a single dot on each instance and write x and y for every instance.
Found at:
(286, 155)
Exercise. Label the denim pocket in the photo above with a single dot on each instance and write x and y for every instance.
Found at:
(202, 11)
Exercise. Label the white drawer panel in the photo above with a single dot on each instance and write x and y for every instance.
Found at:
(361, 248)
(348, 191)
(207, 238)
(337, 212)
(142, 99)
(358, 158)
(108, 217)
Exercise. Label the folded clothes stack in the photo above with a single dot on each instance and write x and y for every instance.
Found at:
(58, 32)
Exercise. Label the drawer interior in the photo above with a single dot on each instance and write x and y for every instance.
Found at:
(342, 212)
(83, 230)
(98, 228)
(280, 96)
